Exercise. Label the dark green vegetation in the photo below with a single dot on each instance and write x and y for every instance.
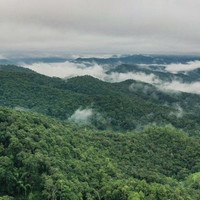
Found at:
(119, 106)
(13, 68)
(42, 158)
(117, 155)
(140, 59)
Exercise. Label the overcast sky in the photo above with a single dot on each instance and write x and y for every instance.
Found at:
(99, 26)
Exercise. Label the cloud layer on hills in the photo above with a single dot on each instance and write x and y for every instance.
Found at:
(69, 69)
(179, 67)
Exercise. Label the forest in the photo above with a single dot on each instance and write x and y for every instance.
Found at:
(121, 106)
(131, 140)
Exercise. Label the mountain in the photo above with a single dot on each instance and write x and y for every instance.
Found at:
(140, 59)
(4, 61)
(158, 71)
(194, 74)
(119, 106)
(42, 158)
(86, 139)
(14, 68)
(31, 60)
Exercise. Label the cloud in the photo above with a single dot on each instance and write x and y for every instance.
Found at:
(19, 108)
(82, 116)
(179, 86)
(178, 67)
(139, 87)
(70, 69)
(67, 69)
(92, 26)
(136, 87)
(179, 111)
(173, 86)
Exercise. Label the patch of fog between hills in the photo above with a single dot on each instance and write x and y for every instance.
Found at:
(20, 108)
(85, 116)
(179, 67)
(180, 86)
(69, 69)
(82, 116)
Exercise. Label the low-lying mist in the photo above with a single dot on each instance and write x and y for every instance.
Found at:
(82, 116)
(70, 69)
(179, 67)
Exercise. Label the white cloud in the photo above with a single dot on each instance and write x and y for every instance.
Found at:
(179, 86)
(175, 68)
(82, 116)
(67, 69)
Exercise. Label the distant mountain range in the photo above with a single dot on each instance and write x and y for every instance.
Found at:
(125, 59)
(141, 59)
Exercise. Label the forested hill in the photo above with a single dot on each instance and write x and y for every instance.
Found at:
(42, 158)
(86, 139)
(14, 68)
(119, 106)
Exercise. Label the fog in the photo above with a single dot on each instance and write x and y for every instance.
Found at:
(70, 69)
(82, 116)
(178, 67)
(180, 86)
(67, 69)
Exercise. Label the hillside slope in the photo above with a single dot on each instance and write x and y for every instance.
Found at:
(42, 158)
(119, 106)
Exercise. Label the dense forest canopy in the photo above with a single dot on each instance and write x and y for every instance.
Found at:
(120, 106)
(83, 138)
(42, 158)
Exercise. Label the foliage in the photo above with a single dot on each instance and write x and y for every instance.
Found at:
(118, 155)
(42, 158)
(115, 105)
